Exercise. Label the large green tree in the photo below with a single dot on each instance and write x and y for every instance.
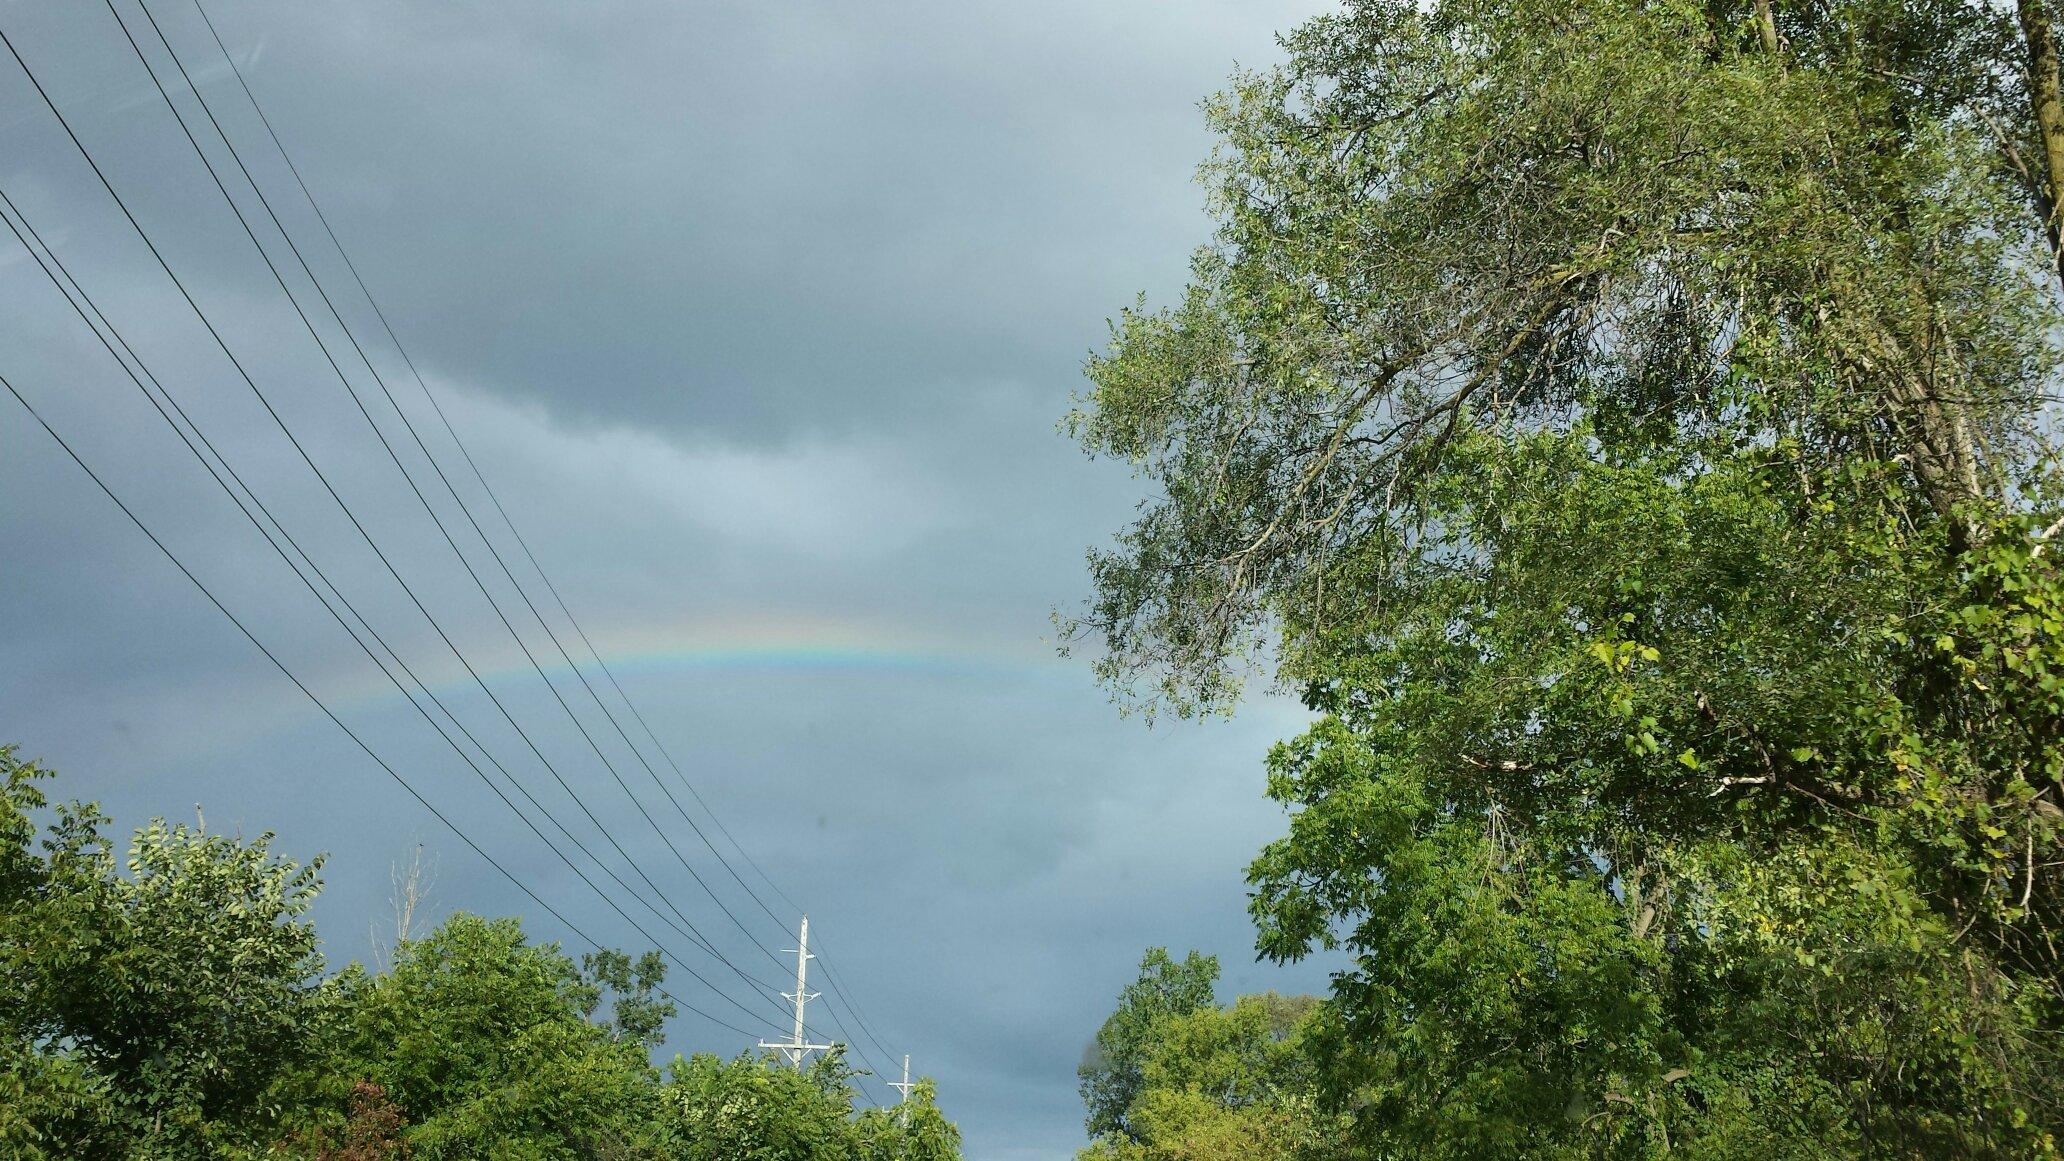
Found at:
(150, 1002)
(483, 1041)
(1626, 424)
(1218, 1083)
(1114, 1070)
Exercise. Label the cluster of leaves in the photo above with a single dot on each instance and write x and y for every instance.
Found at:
(175, 1005)
(1626, 421)
(742, 1110)
(1174, 1076)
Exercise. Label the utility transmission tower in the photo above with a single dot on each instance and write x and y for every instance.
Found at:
(904, 1086)
(796, 1047)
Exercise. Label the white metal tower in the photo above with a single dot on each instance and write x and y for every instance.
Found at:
(904, 1086)
(796, 1048)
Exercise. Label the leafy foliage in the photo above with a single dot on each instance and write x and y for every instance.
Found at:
(1626, 424)
(1210, 1082)
(171, 994)
(176, 1005)
(479, 1037)
(744, 1110)
(1115, 1070)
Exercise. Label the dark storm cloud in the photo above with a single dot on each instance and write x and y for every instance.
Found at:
(748, 215)
(760, 316)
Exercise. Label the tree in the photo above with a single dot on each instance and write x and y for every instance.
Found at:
(47, 1101)
(1624, 422)
(481, 1040)
(176, 1006)
(756, 1108)
(913, 1130)
(637, 1016)
(152, 1001)
(1112, 1072)
(1226, 1084)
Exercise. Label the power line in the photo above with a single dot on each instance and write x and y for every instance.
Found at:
(364, 534)
(319, 703)
(464, 508)
(173, 401)
(430, 509)
(859, 1017)
(493, 496)
(278, 420)
(309, 325)
(394, 456)
(387, 326)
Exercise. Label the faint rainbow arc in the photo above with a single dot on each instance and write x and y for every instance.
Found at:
(808, 648)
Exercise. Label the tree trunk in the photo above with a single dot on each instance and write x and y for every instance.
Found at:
(1766, 24)
(2041, 43)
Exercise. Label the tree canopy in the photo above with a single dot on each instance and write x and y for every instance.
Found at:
(1627, 426)
(1203, 1081)
(176, 1005)
(1114, 1071)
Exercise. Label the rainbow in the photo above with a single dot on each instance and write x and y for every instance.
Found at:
(787, 645)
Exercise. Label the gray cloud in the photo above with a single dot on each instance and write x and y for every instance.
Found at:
(760, 317)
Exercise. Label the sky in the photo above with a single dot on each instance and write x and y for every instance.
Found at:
(760, 319)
